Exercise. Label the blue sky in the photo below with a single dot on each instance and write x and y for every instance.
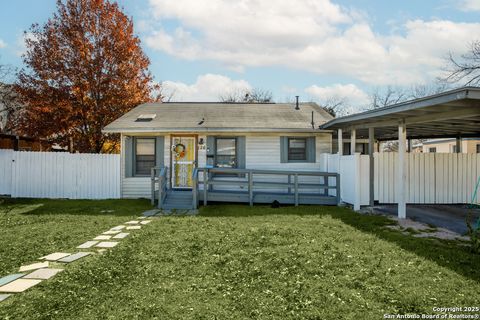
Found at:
(317, 49)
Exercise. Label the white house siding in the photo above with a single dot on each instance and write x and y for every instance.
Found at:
(262, 152)
(139, 187)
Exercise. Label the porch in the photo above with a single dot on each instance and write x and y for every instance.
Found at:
(246, 186)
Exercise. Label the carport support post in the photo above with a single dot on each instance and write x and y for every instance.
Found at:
(402, 172)
(371, 142)
(340, 142)
(458, 143)
(353, 141)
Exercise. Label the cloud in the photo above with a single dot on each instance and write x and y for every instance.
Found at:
(318, 36)
(470, 5)
(350, 94)
(3, 44)
(207, 87)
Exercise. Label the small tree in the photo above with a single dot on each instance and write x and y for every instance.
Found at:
(84, 68)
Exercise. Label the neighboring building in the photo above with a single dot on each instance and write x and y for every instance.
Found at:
(467, 145)
(19, 143)
(183, 136)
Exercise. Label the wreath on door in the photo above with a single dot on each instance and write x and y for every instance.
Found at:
(179, 150)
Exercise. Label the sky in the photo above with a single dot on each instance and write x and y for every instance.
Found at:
(317, 49)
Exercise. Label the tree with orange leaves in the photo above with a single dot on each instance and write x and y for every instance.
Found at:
(84, 68)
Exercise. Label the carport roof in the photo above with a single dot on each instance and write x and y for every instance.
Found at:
(449, 114)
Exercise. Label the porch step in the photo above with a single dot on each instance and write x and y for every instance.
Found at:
(178, 200)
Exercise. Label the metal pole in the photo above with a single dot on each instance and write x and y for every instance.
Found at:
(340, 142)
(402, 171)
(353, 141)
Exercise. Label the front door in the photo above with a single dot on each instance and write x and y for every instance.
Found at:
(183, 161)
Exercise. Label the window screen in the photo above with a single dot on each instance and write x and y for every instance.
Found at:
(144, 155)
(226, 153)
(297, 149)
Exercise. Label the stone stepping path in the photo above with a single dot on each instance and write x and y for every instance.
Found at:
(134, 228)
(133, 222)
(42, 274)
(74, 257)
(102, 238)
(118, 228)
(121, 235)
(40, 271)
(10, 278)
(19, 285)
(34, 266)
(107, 244)
(55, 256)
(112, 232)
(4, 296)
(87, 244)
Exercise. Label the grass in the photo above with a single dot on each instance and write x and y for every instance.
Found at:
(236, 262)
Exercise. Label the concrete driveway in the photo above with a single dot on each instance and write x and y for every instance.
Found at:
(451, 217)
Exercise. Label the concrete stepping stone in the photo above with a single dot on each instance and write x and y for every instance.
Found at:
(102, 238)
(121, 235)
(101, 251)
(132, 222)
(107, 244)
(142, 217)
(10, 278)
(34, 266)
(87, 245)
(55, 256)
(134, 228)
(43, 274)
(19, 285)
(74, 257)
(4, 296)
(112, 232)
(118, 227)
(145, 222)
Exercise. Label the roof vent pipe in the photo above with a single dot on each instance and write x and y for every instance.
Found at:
(296, 104)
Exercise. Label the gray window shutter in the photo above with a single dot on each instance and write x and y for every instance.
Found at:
(210, 146)
(241, 153)
(129, 143)
(159, 151)
(311, 149)
(283, 149)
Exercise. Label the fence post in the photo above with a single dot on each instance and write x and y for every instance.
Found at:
(296, 189)
(337, 185)
(194, 189)
(250, 187)
(152, 178)
(205, 186)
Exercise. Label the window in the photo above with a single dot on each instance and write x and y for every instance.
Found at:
(432, 150)
(297, 149)
(226, 153)
(144, 156)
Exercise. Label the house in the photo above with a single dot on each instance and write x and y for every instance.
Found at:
(21, 143)
(449, 145)
(185, 136)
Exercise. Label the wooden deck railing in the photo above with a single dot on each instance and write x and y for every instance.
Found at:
(245, 178)
(159, 176)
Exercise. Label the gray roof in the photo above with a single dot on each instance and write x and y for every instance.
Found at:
(248, 117)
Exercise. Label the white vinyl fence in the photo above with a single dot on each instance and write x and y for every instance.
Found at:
(59, 175)
(432, 178)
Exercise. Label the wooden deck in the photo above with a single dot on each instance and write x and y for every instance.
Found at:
(247, 186)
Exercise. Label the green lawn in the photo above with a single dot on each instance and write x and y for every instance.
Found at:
(233, 262)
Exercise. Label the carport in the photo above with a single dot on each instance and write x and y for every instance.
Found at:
(452, 114)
